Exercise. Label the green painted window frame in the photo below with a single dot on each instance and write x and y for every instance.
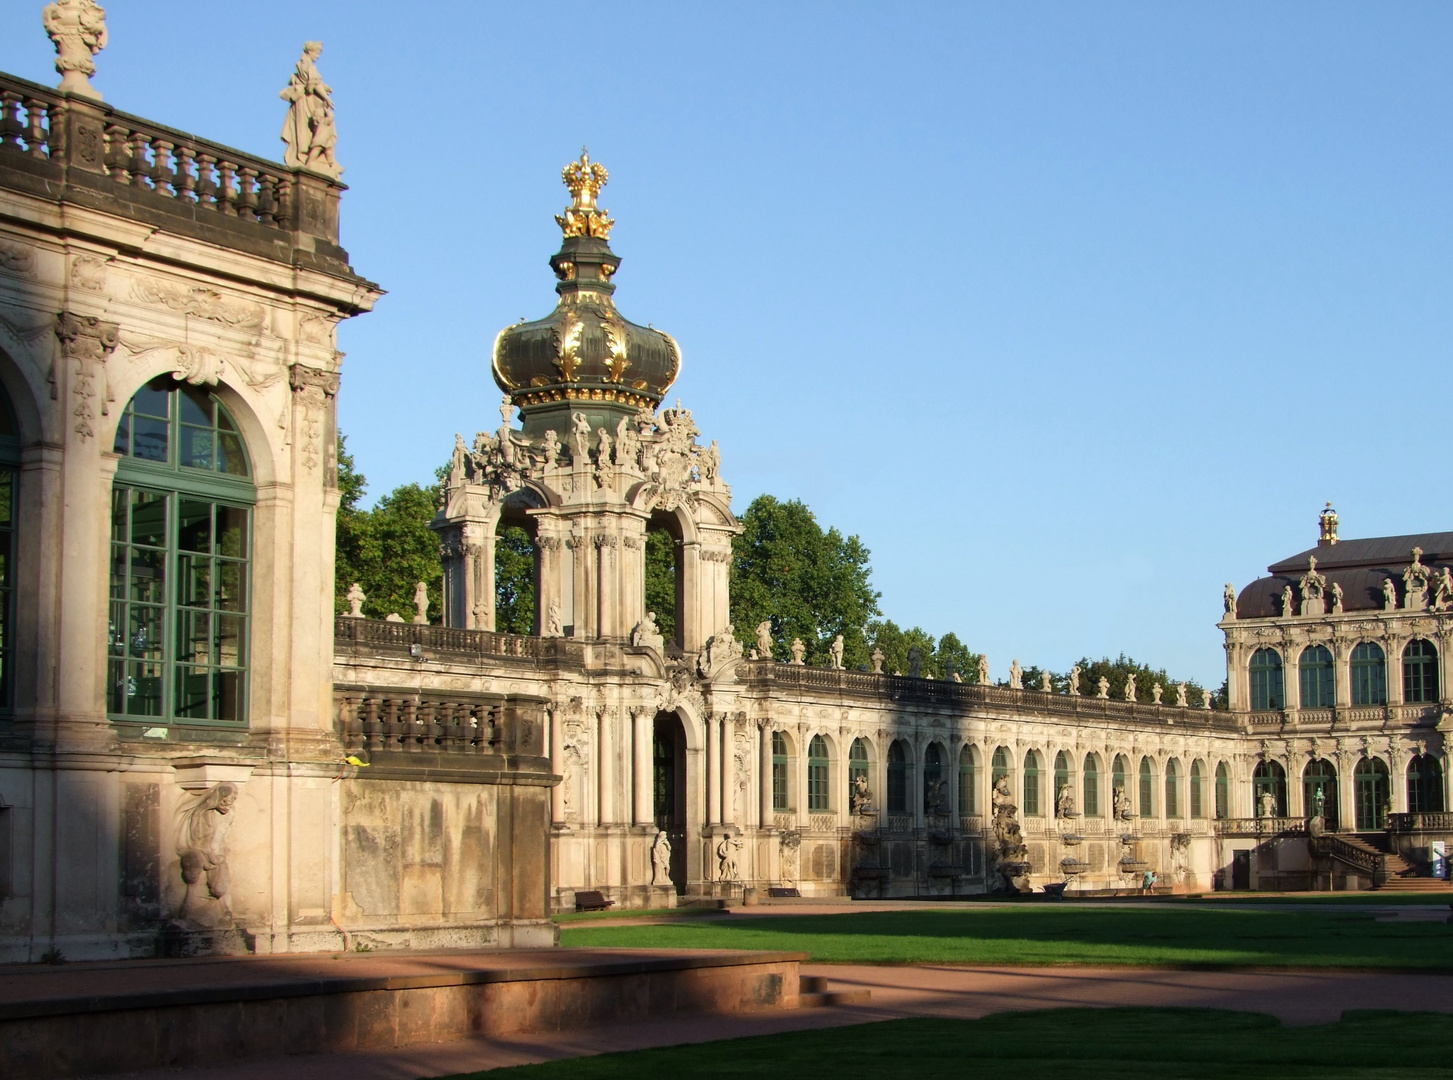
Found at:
(1371, 789)
(1172, 788)
(1420, 672)
(1269, 776)
(779, 773)
(1147, 788)
(818, 792)
(1318, 678)
(932, 769)
(858, 765)
(1031, 784)
(162, 571)
(1268, 689)
(968, 779)
(1196, 790)
(999, 767)
(897, 777)
(1223, 791)
(1320, 775)
(1425, 785)
(1368, 670)
(1091, 785)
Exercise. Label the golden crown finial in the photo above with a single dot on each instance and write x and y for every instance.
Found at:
(583, 217)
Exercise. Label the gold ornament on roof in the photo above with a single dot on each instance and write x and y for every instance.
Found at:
(584, 217)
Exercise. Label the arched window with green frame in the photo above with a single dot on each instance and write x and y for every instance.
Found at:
(1195, 793)
(1318, 678)
(1172, 788)
(779, 772)
(1147, 788)
(1223, 791)
(999, 767)
(817, 772)
(968, 779)
(898, 777)
(181, 550)
(1266, 681)
(858, 765)
(1091, 806)
(1420, 672)
(9, 489)
(1369, 674)
(1031, 784)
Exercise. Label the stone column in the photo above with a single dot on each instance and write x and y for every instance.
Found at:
(644, 782)
(1397, 785)
(728, 778)
(764, 772)
(605, 582)
(579, 568)
(605, 751)
(557, 766)
(713, 770)
(482, 580)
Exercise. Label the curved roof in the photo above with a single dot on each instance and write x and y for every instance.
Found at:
(1359, 566)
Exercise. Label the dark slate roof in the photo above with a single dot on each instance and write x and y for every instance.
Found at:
(1359, 566)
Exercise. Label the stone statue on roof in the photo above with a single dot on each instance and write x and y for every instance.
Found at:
(308, 130)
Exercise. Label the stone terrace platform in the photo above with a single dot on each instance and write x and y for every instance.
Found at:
(79, 1019)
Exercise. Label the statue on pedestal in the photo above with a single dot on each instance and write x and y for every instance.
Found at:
(661, 860)
(308, 130)
(421, 604)
(77, 28)
(764, 639)
(835, 652)
(202, 852)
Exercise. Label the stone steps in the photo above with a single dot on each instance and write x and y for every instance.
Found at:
(814, 994)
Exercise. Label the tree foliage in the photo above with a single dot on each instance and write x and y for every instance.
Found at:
(937, 659)
(809, 583)
(514, 581)
(388, 549)
(661, 580)
(1116, 671)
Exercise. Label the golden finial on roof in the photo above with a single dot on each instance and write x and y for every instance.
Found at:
(583, 217)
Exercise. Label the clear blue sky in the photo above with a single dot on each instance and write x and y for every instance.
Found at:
(1073, 312)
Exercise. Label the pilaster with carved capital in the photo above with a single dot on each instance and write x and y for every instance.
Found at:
(86, 342)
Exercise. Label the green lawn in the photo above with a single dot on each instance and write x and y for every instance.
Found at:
(1243, 935)
(1126, 1044)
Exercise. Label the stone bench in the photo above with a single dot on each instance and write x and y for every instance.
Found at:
(592, 900)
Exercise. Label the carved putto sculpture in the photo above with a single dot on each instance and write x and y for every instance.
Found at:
(202, 851)
(935, 796)
(1121, 804)
(764, 639)
(1064, 803)
(1443, 590)
(862, 795)
(309, 131)
(421, 604)
(355, 601)
(1389, 595)
(1288, 605)
(1075, 681)
(646, 634)
(1011, 854)
(1046, 683)
(1181, 699)
(790, 849)
(1337, 596)
(1228, 600)
(983, 671)
(915, 662)
(1130, 687)
(552, 620)
(1016, 676)
(835, 652)
(1415, 583)
(77, 28)
(721, 647)
(661, 860)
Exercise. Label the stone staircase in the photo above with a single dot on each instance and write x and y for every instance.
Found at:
(1370, 853)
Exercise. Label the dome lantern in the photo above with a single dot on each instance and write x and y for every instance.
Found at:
(584, 356)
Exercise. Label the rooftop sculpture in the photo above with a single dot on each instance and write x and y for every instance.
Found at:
(78, 30)
(308, 130)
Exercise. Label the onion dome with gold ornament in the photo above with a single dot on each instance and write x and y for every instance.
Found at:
(584, 356)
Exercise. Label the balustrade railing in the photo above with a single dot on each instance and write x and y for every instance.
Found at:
(970, 823)
(762, 673)
(51, 131)
(899, 823)
(822, 822)
(1423, 822)
(1261, 826)
(412, 722)
(363, 636)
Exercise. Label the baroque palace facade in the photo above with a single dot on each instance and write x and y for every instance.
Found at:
(197, 755)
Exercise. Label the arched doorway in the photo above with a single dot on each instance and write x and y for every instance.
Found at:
(668, 789)
(1269, 790)
(1319, 789)
(517, 570)
(663, 578)
(1370, 786)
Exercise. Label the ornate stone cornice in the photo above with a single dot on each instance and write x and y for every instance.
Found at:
(88, 341)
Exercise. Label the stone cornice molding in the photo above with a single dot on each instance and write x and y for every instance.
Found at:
(88, 341)
(302, 378)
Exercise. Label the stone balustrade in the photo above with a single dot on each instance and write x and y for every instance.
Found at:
(386, 718)
(376, 637)
(1261, 826)
(96, 153)
(1424, 822)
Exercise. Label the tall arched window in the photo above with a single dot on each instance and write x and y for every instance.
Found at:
(1061, 777)
(999, 766)
(1119, 781)
(817, 769)
(1172, 788)
(857, 766)
(1197, 781)
(1269, 789)
(1223, 791)
(1319, 789)
(1266, 681)
(1425, 785)
(1147, 788)
(1420, 672)
(1370, 789)
(181, 544)
(1317, 677)
(1092, 786)
(898, 777)
(9, 476)
(1369, 674)
(968, 779)
(932, 774)
(1031, 784)
(780, 771)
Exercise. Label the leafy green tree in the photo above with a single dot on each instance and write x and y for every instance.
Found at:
(1116, 672)
(514, 581)
(809, 583)
(387, 549)
(953, 655)
(661, 580)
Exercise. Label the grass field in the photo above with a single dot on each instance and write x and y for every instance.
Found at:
(1240, 935)
(1057, 1043)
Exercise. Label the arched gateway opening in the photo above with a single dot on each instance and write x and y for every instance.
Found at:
(668, 789)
